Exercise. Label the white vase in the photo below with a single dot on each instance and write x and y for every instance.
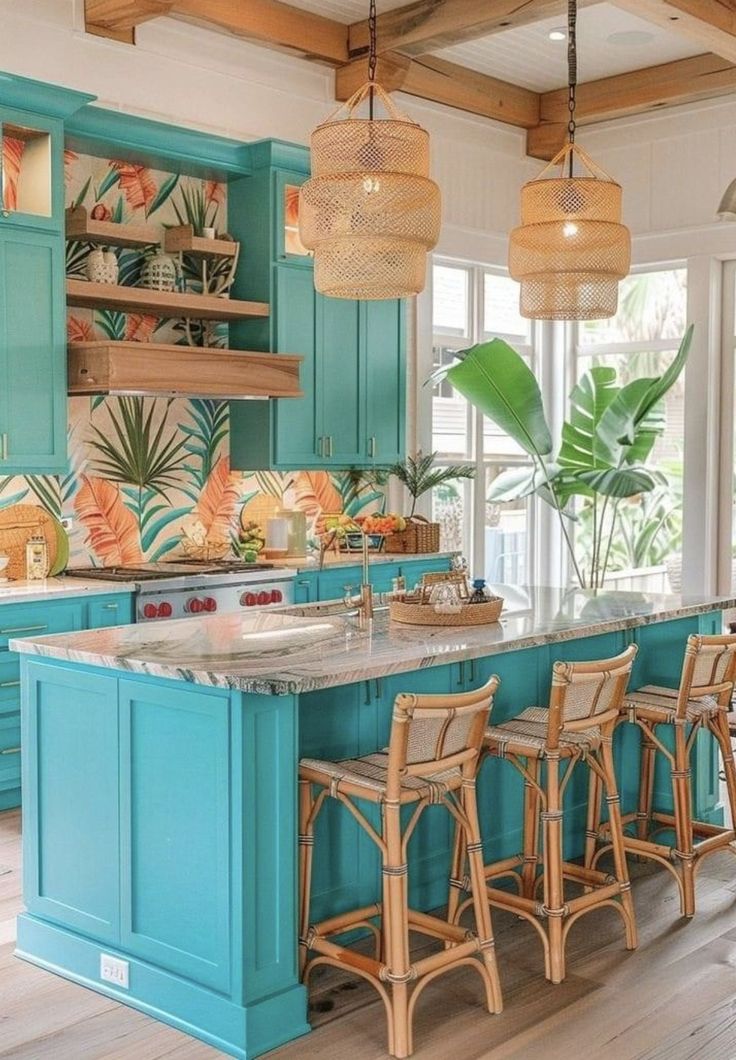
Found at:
(101, 266)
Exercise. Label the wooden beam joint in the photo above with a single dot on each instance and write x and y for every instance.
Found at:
(117, 19)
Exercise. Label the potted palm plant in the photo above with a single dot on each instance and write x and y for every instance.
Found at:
(604, 447)
(419, 475)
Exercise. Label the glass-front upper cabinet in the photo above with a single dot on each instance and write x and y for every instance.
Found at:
(289, 246)
(30, 158)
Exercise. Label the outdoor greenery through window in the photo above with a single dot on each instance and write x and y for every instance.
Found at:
(641, 340)
(472, 304)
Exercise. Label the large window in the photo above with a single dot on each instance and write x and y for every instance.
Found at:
(471, 304)
(641, 340)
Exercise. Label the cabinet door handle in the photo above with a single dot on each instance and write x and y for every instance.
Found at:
(11, 751)
(23, 629)
(367, 694)
(379, 687)
(472, 669)
(109, 607)
(372, 446)
(4, 437)
(328, 454)
(9, 684)
(307, 585)
(320, 446)
(461, 671)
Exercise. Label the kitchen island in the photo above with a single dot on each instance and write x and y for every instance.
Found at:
(160, 778)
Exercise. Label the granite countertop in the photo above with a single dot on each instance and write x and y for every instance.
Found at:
(297, 650)
(24, 591)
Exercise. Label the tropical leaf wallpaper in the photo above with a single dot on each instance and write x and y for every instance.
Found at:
(147, 474)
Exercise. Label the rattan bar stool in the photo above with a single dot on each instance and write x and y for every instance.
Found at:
(700, 703)
(578, 726)
(432, 757)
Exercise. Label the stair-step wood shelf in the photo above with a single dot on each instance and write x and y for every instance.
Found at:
(182, 239)
(85, 295)
(110, 367)
(80, 226)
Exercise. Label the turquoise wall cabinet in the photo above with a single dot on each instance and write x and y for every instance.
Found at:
(38, 619)
(32, 296)
(353, 375)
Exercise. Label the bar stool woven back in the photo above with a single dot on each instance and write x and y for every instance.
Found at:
(432, 758)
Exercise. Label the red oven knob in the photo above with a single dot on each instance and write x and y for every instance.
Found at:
(276, 596)
(264, 597)
(165, 610)
(248, 600)
(209, 603)
(193, 606)
(150, 611)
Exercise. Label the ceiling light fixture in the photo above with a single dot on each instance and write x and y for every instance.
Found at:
(369, 212)
(571, 249)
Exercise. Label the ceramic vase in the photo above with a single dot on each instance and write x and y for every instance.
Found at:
(159, 272)
(102, 266)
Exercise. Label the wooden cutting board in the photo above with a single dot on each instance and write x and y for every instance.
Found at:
(17, 524)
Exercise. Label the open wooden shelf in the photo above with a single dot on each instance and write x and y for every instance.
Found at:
(80, 226)
(110, 367)
(182, 238)
(85, 295)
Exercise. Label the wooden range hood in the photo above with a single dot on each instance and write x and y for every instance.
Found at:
(180, 371)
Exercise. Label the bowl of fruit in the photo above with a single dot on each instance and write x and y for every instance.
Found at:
(375, 527)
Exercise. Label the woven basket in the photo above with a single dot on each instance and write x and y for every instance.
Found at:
(17, 524)
(420, 536)
(369, 212)
(570, 250)
(415, 613)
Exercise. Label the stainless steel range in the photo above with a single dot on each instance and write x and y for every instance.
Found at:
(181, 588)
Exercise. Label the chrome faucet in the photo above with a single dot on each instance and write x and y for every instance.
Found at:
(364, 600)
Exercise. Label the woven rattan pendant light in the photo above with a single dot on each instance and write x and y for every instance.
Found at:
(369, 213)
(571, 249)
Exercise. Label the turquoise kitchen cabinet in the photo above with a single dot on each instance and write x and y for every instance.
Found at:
(38, 619)
(353, 375)
(32, 352)
(306, 587)
(384, 381)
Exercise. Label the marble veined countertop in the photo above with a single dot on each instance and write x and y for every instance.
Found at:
(24, 591)
(298, 650)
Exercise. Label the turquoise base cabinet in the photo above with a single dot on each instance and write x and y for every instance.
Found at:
(50, 616)
(160, 824)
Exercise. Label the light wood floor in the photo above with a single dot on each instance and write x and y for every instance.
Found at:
(672, 999)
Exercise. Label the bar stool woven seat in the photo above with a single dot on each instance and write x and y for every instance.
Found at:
(701, 703)
(585, 701)
(369, 776)
(527, 735)
(432, 758)
(659, 704)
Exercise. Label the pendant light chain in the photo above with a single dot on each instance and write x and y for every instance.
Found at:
(372, 56)
(572, 70)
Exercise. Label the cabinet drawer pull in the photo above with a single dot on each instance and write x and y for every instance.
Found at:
(321, 446)
(9, 684)
(4, 437)
(372, 446)
(328, 454)
(109, 607)
(461, 671)
(308, 586)
(11, 751)
(23, 629)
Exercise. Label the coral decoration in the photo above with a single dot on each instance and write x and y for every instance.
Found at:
(137, 184)
(112, 530)
(218, 501)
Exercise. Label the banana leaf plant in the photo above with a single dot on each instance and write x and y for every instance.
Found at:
(604, 446)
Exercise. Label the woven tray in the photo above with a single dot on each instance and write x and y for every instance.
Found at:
(417, 614)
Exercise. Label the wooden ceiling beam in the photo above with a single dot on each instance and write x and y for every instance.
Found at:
(428, 25)
(117, 19)
(683, 81)
(273, 23)
(709, 23)
(442, 82)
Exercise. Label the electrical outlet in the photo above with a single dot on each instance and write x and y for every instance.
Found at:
(113, 970)
(67, 522)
